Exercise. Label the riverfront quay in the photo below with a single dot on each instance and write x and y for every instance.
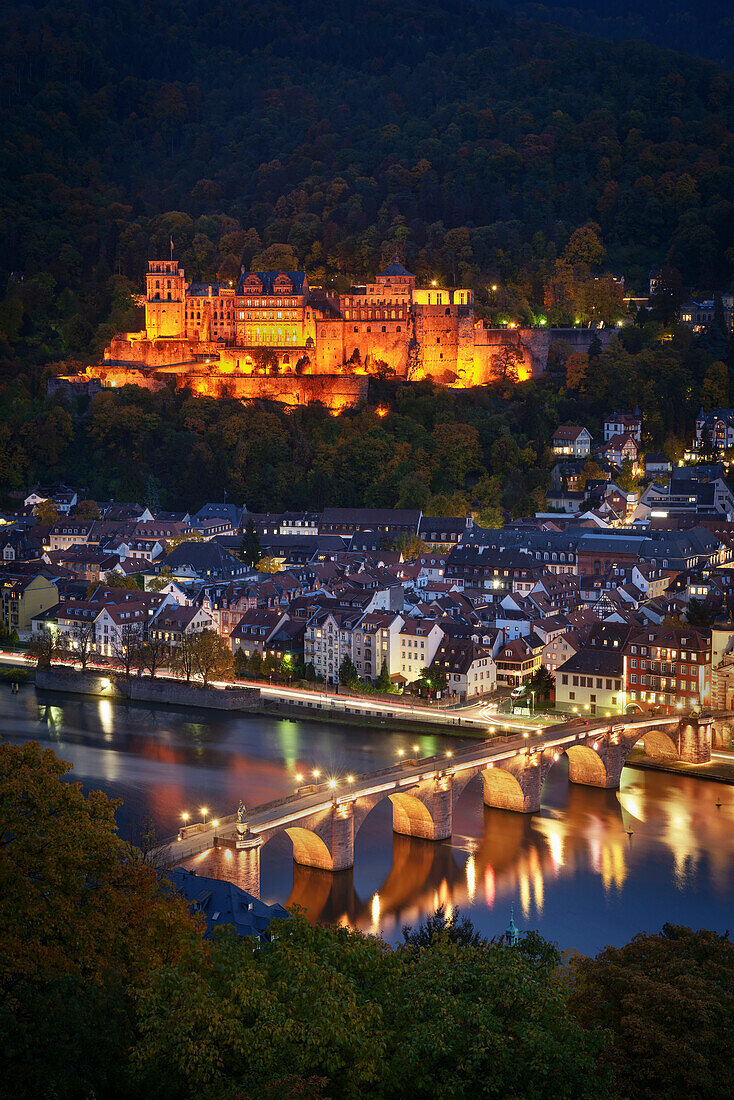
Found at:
(571, 859)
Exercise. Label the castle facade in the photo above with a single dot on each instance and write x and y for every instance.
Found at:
(273, 335)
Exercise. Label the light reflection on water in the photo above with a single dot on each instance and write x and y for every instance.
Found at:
(593, 867)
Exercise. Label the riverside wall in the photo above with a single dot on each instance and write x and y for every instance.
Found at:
(143, 690)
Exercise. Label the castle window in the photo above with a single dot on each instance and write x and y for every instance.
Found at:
(438, 339)
(157, 284)
(168, 283)
(399, 329)
(384, 328)
(369, 328)
(169, 295)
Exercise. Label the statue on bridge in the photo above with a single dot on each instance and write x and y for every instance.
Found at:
(241, 828)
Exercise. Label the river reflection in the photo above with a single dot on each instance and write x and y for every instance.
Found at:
(593, 867)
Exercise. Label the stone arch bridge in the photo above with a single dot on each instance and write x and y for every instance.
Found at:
(322, 820)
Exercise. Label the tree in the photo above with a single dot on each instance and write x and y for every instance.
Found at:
(250, 551)
(46, 645)
(86, 509)
(542, 683)
(435, 676)
(445, 1018)
(212, 657)
(82, 640)
(577, 366)
(506, 360)
(383, 682)
(154, 652)
(699, 615)
(585, 246)
(410, 546)
(454, 929)
(666, 1000)
(127, 644)
(255, 663)
(715, 387)
(239, 663)
(159, 582)
(348, 673)
(269, 565)
(46, 512)
(115, 579)
(152, 495)
(84, 923)
(182, 659)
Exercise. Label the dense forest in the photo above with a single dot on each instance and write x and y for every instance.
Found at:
(706, 29)
(449, 452)
(327, 134)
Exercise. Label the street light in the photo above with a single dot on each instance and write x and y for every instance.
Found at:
(204, 812)
(215, 824)
(185, 817)
(316, 773)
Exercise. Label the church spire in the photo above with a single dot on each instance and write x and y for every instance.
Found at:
(512, 935)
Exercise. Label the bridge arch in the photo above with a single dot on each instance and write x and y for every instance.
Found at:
(657, 743)
(411, 816)
(309, 848)
(502, 790)
(586, 766)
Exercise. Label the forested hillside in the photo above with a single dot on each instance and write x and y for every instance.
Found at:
(706, 29)
(327, 134)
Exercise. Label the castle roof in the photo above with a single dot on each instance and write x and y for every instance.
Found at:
(268, 278)
(395, 268)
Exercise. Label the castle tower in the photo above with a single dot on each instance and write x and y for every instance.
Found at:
(164, 300)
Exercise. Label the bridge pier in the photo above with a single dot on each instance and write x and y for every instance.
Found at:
(694, 739)
(515, 784)
(425, 811)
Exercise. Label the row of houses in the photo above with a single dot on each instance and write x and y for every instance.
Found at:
(602, 608)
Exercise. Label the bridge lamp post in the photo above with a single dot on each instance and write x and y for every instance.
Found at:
(332, 783)
(215, 824)
(185, 817)
(449, 754)
(204, 812)
(299, 777)
(350, 779)
(316, 773)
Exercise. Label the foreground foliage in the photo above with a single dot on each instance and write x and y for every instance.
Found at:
(109, 989)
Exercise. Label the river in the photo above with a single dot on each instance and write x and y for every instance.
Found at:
(571, 871)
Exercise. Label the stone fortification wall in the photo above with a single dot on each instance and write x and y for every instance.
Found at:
(335, 391)
(532, 344)
(375, 339)
(150, 353)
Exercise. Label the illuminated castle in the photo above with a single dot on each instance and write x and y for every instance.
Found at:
(273, 335)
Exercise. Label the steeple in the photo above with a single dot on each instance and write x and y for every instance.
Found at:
(512, 936)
